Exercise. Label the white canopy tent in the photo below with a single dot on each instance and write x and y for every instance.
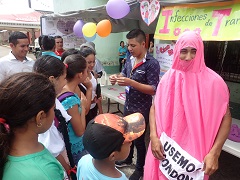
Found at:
(132, 20)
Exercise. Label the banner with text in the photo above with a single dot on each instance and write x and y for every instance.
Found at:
(217, 23)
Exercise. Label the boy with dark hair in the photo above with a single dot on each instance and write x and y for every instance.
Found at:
(108, 139)
(140, 76)
(48, 44)
(138, 34)
(39, 50)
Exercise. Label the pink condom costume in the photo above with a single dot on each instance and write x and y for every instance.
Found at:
(190, 103)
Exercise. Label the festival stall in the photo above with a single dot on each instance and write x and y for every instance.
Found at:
(218, 24)
(213, 19)
(217, 21)
(123, 16)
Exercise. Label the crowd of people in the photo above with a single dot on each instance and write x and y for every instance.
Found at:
(52, 124)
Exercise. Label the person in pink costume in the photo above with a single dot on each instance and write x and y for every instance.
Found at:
(191, 109)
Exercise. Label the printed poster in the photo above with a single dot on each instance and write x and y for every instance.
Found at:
(55, 26)
(164, 55)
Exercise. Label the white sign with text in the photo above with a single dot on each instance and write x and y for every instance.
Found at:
(179, 164)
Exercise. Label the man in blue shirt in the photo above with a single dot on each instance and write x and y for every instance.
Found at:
(140, 76)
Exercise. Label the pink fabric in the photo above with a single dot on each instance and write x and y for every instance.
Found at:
(190, 103)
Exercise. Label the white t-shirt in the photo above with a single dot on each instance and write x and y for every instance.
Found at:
(94, 88)
(52, 139)
(86, 170)
(9, 65)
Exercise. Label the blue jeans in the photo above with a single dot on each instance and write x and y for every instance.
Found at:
(139, 143)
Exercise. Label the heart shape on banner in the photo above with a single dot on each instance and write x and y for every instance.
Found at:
(65, 27)
(149, 10)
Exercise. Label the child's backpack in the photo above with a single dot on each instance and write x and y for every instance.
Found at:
(62, 127)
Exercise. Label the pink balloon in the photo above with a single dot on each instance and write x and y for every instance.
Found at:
(117, 9)
(77, 28)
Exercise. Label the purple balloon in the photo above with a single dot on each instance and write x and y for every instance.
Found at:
(77, 28)
(117, 9)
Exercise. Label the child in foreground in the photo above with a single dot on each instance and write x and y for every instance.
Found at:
(27, 102)
(108, 139)
(75, 103)
(55, 71)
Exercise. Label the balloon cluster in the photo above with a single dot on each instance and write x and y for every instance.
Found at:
(116, 9)
(89, 30)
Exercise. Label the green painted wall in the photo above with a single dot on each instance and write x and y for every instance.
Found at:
(107, 51)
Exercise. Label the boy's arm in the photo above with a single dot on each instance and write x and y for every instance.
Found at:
(152, 73)
(144, 88)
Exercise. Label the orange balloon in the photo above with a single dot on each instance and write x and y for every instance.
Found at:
(104, 28)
